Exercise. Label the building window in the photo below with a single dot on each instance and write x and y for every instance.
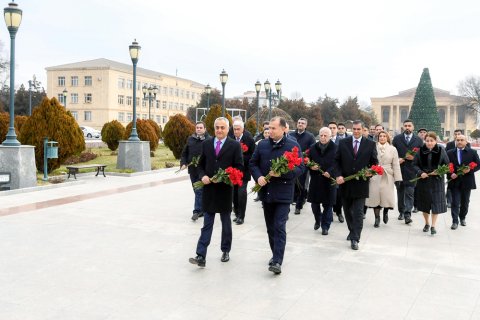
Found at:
(157, 104)
(181, 106)
(129, 100)
(176, 92)
(121, 83)
(164, 91)
(403, 115)
(88, 98)
(74, 97)
(129, 117)
(193, 96)
(87, 116)
(61, 98)
(164, 119)
(61, 81)
(170, 105)
(460, 114)
(129, 84)
(386, 114)
(164, 105)
(138, 101)
(88, 80)
(182, 93)
(441, 115)
(157, 119)
(74, 81)
(121, 116)
(144, 103)
(188, 94)
(171, 91)
(176, 105)
(121, 99)
(74, 115)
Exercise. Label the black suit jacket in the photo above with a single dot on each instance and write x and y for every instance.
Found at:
(408, 172)
(465, 181)
(250, 143)
(451, 145)
(347, 164)
(217, 197)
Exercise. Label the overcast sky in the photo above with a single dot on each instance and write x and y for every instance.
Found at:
(341, 48)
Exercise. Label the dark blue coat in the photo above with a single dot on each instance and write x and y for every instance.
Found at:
(193, 148)
(321, 189)
(465, 181)
(305, 140)
(279, 189)
(408, 172)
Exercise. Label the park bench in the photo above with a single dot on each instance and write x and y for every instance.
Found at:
(74, 169)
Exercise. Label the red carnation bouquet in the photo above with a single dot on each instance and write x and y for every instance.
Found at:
(413, 152)
(195, 161)
(287, 162)
(440, 171)
(461, 169)
(230, 176)
(244, 147)
(364, 174)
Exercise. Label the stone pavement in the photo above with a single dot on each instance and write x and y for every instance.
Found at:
(118, 248)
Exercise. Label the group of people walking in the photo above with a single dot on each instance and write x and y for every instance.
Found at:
(410, 165)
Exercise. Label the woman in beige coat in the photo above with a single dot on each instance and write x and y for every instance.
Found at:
(382, 188)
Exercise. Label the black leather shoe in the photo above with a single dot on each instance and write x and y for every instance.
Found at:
(256, 199)
(235, 219)
(377, 222)
(316, 226)
(341, 219)
(239, 221)
(433, 230)
(200, 214)
(225, 257)
(400, 216)
(297, 211)
(408, 220)
(270, 262)
(354, 245)
(385, 218)
(454, 226)
(426, 228)
(195, 216)
(198, 260)
(324, 232)
(275, 268)
(463, 223)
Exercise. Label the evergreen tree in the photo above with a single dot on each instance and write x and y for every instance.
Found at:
(424, 113)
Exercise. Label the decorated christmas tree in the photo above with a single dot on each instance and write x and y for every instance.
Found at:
(424, 111)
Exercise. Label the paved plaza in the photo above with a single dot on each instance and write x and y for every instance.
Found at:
(118, 248)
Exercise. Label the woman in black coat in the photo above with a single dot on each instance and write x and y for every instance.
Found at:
(431, 188)
(321, 190)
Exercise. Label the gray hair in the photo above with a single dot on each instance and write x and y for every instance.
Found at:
(325, 129)
(238, 123)
(222, 119)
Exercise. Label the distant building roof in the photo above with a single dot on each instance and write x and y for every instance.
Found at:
(410, 93)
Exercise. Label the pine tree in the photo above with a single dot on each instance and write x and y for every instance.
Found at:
(424, 113)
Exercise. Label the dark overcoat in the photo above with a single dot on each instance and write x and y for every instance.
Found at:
(346, 164)
(192, 148)
(279, 189)
(247, 155)
(408, 172)
(467, 180)
(217, 197)
(321, 189)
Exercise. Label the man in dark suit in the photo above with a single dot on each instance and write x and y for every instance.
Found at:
(405, 189)
(461, 185)
(230, 131)
(193, 148)
(276, 194)
(342, 131)
(354, 154)
(337, 207)
(332, 125)
(305, 139)
(240, 192)
(259, 136)
(452, 144)
(220, 152)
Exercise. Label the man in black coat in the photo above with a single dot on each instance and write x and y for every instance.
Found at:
(193, 148)
(452, 144)
(354, 154)
(259, 136)
(461, 185)
(404, 142)
(219, 152)
(305, 139)
(276, 194)
(240, 192)
(336, 137)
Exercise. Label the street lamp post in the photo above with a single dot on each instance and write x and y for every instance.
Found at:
(278, 88)
(258, 88)
(134, 50)
(208, 90)
(13, 18)
(268, 92)
(223, 81)
(65, 98)
(152, 91)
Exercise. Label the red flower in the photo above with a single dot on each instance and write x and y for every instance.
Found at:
(377, 169)
(306, 160)
(415, 149)
(472, 165)
(244, 147)
(451, 168)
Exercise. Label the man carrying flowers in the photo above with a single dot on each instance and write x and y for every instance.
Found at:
(275, 165)
(220, 152)
(465, 162)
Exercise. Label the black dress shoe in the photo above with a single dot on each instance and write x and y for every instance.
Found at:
(239, 221)
(235, 219)
(198, 260)
(385, 217)
(297, 211)
(275, 268)
(433, 230)
(324, 232)
(454, 226)
(354, 245)
(341, 219)
(225, 257)
(316, 226)
(377, 222)
(195, 216)
(408, 220)
(200, 214)
(463, 223)
(400, 216)
(426, 228)
(415, 210)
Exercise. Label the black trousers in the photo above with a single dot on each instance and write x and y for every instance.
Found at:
(460, 202)
(301, 190)
(405, 196)
(276, 215)
(206, 234)
(337, 207)
(240, 200)
(353, 209)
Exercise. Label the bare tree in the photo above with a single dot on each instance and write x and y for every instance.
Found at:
(469, 89)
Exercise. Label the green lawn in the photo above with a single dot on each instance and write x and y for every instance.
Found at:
(107, 157)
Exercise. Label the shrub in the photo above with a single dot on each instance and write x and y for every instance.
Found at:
(83, 157)
(156, 127)
(214, 113)
(50, 119)
(475, 134)
(251, 126)
(20, 121)
(4, 123)
(176, 132)
(112, 132)
(145, 132)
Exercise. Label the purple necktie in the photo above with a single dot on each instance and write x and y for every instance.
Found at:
(355, 148)
(217, 148)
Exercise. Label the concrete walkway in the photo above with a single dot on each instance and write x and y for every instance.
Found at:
(118, 248)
